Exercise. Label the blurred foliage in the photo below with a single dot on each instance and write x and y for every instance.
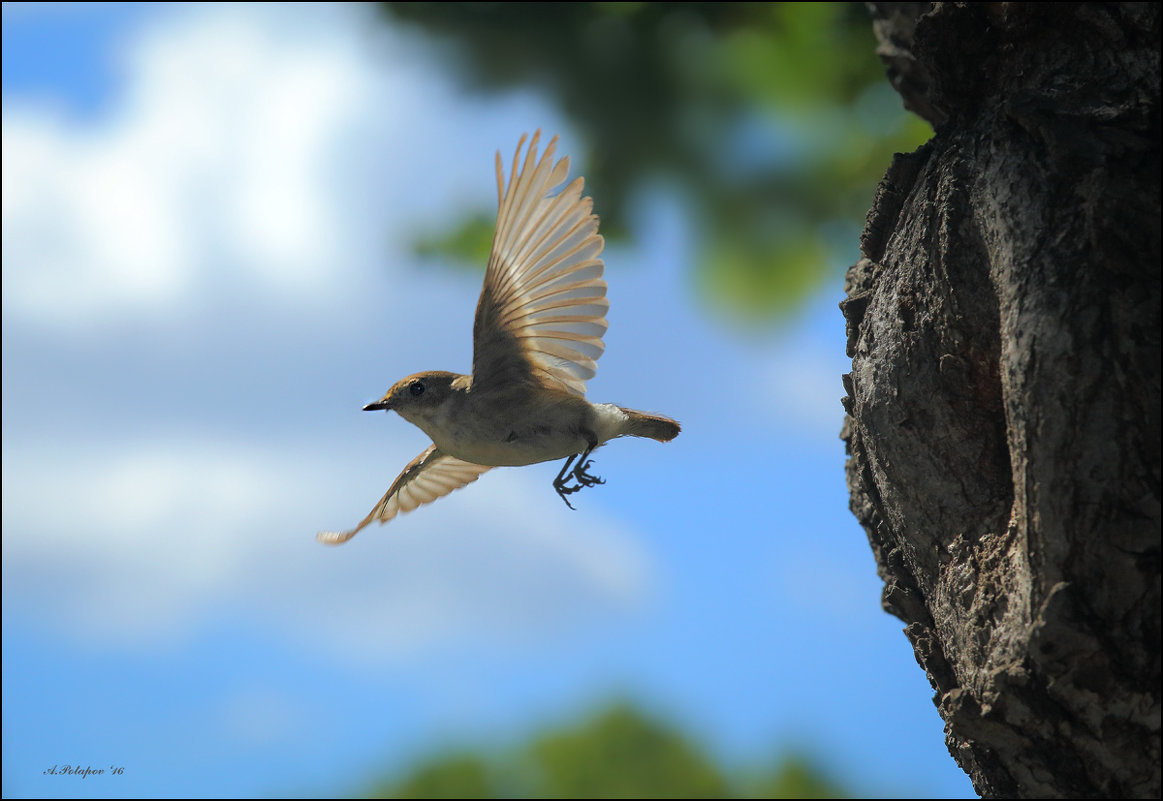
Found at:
(797, 776)
(623, 754)
(617, 753)
(773, 122)
(451, 776)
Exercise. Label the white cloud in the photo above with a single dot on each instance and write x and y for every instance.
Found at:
(264, 159)
(254, 151)
(150, 540)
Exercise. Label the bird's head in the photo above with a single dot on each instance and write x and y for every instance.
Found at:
(418, 396)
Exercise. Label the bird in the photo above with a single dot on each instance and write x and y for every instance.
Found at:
(537, 336)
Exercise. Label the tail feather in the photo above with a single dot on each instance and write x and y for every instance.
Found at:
(645, 424)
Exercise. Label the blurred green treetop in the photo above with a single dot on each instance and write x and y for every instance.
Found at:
(616, 752)
(772, 123)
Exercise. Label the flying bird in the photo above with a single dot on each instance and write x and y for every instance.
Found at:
(537, 337)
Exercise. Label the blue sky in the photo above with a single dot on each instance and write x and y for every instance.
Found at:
(207, 220)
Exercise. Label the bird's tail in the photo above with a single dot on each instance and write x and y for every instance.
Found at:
(645, 424)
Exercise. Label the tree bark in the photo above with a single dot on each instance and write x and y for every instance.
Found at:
(1003, 423)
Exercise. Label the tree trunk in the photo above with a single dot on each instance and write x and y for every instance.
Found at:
(1003, 404)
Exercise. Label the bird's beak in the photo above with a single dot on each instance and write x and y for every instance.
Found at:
(375, 407)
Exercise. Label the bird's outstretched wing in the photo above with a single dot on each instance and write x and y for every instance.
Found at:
(542, 312)
(431, 475)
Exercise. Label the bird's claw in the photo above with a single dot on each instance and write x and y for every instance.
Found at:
(584, 478)
(564, 489)
(581, 475)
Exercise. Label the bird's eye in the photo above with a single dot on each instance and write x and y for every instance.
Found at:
(416, 388)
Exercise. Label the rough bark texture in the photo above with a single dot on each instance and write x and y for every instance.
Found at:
(1003, 404)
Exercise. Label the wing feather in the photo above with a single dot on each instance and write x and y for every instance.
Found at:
(431, 475)
(542, 311)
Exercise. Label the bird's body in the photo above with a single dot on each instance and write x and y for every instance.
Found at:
(482, 427)
(536, 340)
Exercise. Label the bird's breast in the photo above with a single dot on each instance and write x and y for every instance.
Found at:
(517, 445)
(513, 433)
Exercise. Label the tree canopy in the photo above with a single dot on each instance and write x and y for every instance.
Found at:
(618, 752)
(770, 122)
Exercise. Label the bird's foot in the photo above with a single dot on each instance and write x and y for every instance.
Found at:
(583, 477)
(564, 489)
(580, 475)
